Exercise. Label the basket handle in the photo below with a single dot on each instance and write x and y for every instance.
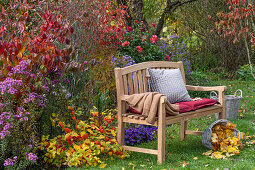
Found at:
(241, 93)
(239, 134)
(213, 94)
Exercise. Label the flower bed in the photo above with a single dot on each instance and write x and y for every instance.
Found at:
(137, 135)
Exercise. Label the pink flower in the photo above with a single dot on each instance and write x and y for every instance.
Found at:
(137, 22)
(130, 29)
(144, 38)
(139, 49)
(153, 24)
(118, 30)
(167, 57)
(125, 44)
(154, 38)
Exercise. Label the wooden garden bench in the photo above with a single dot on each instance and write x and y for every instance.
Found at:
(134, 79)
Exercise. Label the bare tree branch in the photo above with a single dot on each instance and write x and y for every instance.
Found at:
(138, 12)
(182, 3)
(170, 8)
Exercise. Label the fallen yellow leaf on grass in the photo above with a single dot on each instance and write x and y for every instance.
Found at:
(208, 153)
(195, 158)
(217, 155)
(102, 165)
(133, 165)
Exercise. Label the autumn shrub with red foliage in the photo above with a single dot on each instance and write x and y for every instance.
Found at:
(238, 25)
(27, 33)
(56, 36)
(98, 30)
(235, 22)
(41, 31)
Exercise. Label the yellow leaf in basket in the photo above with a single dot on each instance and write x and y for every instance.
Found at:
(229, 132)
(214, 138)
(223, 147)
(221, 134)
(235, 141)
(217, 128)
(230, 125)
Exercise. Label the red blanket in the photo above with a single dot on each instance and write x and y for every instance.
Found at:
(187, 106)
(194, 105)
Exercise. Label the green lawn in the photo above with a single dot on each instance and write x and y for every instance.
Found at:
(184, 151)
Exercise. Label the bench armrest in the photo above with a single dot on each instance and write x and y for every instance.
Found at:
(220, 89)
(203, 88)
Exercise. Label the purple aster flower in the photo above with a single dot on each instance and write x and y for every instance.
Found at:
(32, 157)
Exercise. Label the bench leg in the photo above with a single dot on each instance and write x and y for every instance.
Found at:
(121, 132)
(121, 124)
(183, 129)
(161, 132)
(222, 115)
(161, 143)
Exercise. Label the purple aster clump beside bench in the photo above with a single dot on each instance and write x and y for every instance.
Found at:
(136, 135)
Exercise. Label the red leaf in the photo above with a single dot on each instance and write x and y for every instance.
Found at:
(71, 29)
(67, 41)
(1, 49)
(3, 29)
(43, 28)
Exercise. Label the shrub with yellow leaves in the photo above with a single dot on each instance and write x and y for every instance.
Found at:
(85, 144)
(224, 142)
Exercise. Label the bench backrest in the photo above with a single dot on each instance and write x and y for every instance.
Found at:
(134, 79)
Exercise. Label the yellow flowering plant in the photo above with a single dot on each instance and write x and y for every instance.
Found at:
(86, 143)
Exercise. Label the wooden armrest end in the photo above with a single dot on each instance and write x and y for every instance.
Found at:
(203, 88)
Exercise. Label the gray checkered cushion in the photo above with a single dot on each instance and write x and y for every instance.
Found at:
(170, 83)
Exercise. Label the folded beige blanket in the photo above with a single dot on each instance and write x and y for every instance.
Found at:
(147, 103)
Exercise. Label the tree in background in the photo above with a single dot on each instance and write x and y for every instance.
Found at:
(237, 24)
(138, 13)
(209, 49)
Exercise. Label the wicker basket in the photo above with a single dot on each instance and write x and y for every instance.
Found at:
(207, 134)
(232, 103)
